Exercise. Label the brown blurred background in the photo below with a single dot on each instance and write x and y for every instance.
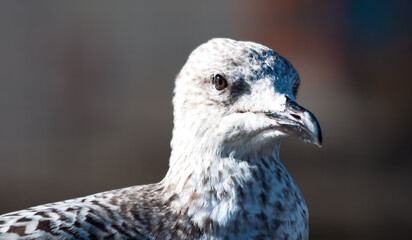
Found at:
(86, 89)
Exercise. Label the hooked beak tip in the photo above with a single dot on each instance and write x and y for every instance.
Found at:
(299, 121)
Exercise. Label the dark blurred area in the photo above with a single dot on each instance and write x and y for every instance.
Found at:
(86, 89)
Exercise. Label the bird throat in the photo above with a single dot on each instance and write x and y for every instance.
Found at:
(233, 193)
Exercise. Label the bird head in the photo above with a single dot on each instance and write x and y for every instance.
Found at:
(240, 95)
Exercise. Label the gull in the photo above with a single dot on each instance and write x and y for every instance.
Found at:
(233, 102)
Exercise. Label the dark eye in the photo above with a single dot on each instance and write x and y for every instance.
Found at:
(220, 82)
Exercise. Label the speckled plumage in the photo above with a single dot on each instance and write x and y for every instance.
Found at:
(225, 179)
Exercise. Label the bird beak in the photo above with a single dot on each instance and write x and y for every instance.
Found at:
(299, 121)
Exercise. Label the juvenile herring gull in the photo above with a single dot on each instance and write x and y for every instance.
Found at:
(233, 103)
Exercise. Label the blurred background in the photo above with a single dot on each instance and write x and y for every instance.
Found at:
(86, 89)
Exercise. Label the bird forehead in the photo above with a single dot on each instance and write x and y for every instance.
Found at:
(247, 60)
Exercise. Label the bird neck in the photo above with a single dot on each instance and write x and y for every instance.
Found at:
(212, 185)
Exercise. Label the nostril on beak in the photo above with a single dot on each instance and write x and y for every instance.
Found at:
(295, 116)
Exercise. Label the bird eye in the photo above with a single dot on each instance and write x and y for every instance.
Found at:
(220, 82)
